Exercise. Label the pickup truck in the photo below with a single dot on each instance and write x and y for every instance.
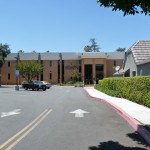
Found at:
(34, 85)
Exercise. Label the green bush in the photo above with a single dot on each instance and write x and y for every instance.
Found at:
(136, 89)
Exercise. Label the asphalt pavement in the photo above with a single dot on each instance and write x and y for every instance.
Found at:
(138, 116)
(62, 118)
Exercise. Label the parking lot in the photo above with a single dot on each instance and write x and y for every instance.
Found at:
(61, 118)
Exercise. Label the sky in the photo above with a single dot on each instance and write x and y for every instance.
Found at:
(67, 26)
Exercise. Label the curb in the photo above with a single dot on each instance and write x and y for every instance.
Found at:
(137, 126)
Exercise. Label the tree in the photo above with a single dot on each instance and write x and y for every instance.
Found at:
(94, 46)
(76, 76)
(20, 51)
(4, 51)
(30, 69)
(128, 7)
(120, 49)
(88, 48)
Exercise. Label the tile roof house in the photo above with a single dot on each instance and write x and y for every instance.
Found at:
(137, 59)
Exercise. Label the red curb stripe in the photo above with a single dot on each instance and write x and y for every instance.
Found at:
(137, 126)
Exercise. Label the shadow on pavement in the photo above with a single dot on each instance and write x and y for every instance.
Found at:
(136, 137)
(111, 145)
(115, 145)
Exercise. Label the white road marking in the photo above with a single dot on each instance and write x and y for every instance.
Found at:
(14, 112)
(79, 113)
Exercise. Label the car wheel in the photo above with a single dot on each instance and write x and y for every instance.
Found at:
(44, 89)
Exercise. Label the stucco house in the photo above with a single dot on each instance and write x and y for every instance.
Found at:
(137, 60)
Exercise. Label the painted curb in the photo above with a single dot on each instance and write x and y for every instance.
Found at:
(137, 126)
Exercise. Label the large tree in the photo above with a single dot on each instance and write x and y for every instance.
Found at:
(4, 51)
(128, 7)
(88, 48)
(29, 70)
(94, 46)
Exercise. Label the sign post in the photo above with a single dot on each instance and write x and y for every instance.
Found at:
(17, 73)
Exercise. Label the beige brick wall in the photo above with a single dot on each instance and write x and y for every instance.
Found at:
(9, 70)
(69, 67)
(109, 69)
(50, 69)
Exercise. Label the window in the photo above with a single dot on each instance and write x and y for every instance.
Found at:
(8, 76)
(50, 63)
(80, 66)
(8, 63)
(114, 62)
(50, 75)
(133, 73)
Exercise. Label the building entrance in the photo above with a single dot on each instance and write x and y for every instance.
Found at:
(99, 72)
(88, 74)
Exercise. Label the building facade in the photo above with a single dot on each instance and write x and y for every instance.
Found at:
(58, 67)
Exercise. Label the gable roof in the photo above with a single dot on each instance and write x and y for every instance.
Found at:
(140, 50)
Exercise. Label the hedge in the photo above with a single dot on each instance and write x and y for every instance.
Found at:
(136, 89)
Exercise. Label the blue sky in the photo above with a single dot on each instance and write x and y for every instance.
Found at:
(67, 26)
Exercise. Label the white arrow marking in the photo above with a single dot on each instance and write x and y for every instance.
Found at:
(79, 113)
(14, 112)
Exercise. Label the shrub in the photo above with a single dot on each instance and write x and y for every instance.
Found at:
(136, 89)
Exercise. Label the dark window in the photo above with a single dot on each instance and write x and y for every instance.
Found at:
(42, 77)
(80, 69)
(8, 63)
(58, 71)
(88, 73)
(8, 76)
(41, 62)
(50, 76)
(114, 62)
(99, 72)
(62, 70)
(50, 63)
(134, 73)
(80, 66)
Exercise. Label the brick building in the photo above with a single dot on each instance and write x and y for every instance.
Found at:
(57, 67)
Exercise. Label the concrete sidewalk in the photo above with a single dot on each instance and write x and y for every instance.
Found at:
(136, 115)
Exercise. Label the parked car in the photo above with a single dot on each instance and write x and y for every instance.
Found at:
(48, 85)
(34, 85)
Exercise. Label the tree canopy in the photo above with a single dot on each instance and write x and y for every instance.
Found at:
(88, 48)
(4, 51)
(30, 69)
(128, 7)
(93, 47)
(120, 49)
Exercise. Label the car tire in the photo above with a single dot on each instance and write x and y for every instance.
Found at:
(44, 89)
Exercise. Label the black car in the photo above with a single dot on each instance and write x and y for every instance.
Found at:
(34, 85)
